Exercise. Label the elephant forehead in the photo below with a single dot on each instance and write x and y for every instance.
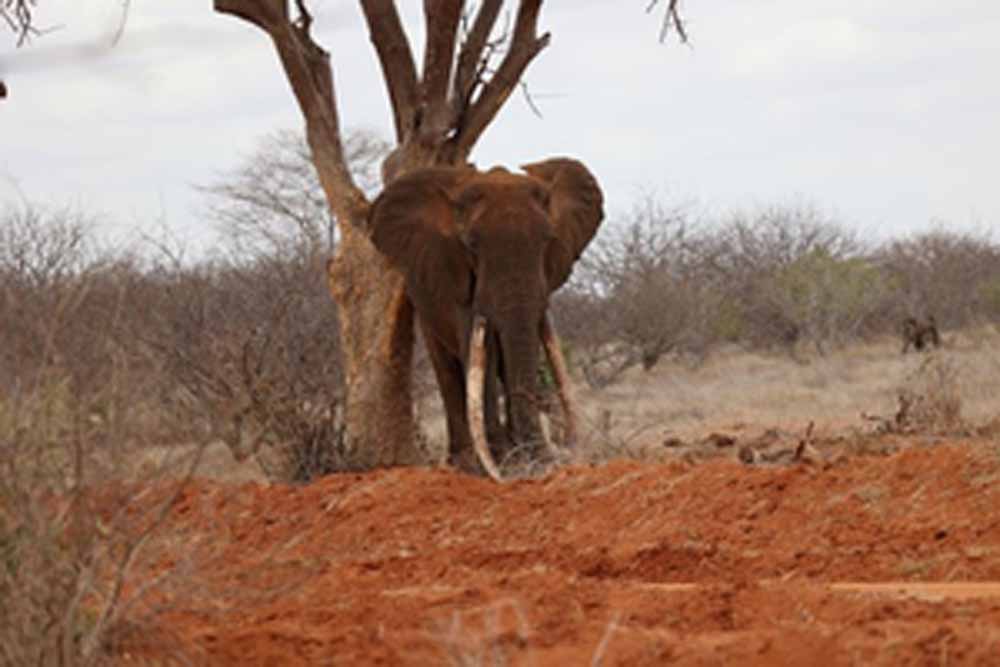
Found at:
(511, 203)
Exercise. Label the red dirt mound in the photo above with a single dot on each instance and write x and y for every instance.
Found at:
(712, 563)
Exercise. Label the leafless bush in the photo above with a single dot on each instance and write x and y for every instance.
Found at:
(930, 399)
(642, 292)
(254, 336)
(70, 421)
(794, 276)
(63, 299)
(251, 353)
(665, 283)
(784, 277)
(953, 275)
(273, 201)
(46, 261)
(71, 540)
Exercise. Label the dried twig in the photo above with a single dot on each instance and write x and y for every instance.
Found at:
(671, 18)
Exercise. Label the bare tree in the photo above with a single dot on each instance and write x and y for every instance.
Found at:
(471, 66)
(649, 293)
(272, 203)
(439, 114)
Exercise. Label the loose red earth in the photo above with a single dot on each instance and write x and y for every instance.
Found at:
(860, 560)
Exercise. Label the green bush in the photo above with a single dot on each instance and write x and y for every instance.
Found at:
(829, 298)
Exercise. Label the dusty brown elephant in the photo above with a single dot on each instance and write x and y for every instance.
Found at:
(920, 335)
(481, 252)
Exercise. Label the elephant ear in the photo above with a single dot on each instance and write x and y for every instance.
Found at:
(576, 208)
(413, 223)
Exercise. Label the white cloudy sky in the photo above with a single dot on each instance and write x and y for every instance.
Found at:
(884, 113)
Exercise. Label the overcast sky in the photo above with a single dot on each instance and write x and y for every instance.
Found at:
(885, 114)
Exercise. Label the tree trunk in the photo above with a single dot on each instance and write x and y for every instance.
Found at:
(376, 335)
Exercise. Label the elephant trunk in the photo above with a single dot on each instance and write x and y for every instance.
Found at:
(521, 356)
(520, 344)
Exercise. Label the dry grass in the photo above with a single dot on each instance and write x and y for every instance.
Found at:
(748, 392)
(738, 391)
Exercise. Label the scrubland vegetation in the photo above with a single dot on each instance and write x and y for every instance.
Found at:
(675, 325)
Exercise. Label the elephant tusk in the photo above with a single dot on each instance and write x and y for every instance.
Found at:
(553, 350)
(475, 382)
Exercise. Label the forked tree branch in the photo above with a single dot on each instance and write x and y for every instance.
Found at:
(307, 67)
(396, 58)
(524, 47)
(671, 19)
(19, 17)
(472, 53)
(268, 15)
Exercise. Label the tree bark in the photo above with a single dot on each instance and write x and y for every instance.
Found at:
(377, 338)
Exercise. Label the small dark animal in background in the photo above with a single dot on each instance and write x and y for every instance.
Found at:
(920, 335)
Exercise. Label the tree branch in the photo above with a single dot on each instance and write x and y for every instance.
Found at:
(307, 67)
(525, 45)
(18, 15)
(394, 54)
(471, 54)
(265, 14)
(441, 17)
(671, 18)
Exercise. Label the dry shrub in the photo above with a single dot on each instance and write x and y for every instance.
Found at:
(292, 424)
(71, 536)
(250, 352)
(74, 414)
(930, 399)
(268, 360)
(641, 293)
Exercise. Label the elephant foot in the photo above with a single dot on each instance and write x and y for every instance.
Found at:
(501, 445)
(529, 457)
(466, 461)
(522, 459)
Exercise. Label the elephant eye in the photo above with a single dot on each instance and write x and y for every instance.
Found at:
(542, 195)
(470, 239)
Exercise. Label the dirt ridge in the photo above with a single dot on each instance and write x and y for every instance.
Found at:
(622, 563)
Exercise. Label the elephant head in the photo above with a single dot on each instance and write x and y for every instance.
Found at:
(483, 251)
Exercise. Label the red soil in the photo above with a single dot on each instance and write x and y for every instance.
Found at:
(710, 563)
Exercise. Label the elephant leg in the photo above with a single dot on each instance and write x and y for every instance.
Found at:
(450, 376)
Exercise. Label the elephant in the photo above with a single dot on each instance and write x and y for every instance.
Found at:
(481, 252)
(919, 335)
